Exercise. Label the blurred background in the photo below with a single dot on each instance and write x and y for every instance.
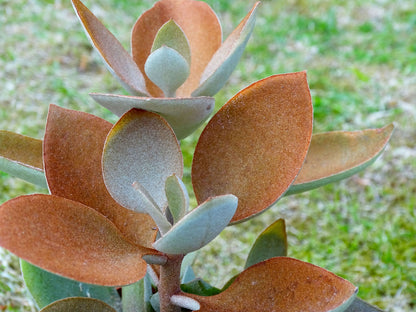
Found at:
(361, 61)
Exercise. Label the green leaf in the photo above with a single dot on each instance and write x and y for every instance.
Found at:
(187, 273)
(360, 305)
(184, 115)
(337, 155)
(178, 198)
(78, 304)
(198, 227)
(200, 287)
(167, 69)
(136, 297)
(21, 156)
(140, 147)
(272, 242)
(225, 60)
(46, 287)
(172, 36)
(155, 302)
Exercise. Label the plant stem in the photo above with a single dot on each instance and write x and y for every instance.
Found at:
(169, 283)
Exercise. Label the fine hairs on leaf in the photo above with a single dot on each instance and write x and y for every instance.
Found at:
(116, 233)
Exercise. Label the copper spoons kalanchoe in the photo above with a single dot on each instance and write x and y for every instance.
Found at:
(118, 212)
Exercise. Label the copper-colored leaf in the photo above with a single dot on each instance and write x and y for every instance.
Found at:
(226, 58)
(141, 147)
(337, 155)
(200, 25)
(184, 115)
(118, 60)
(73, 147)
(281, 284)
(21, 156)
(256, 144)
(78, 304)
(69, 239)
(21, 149)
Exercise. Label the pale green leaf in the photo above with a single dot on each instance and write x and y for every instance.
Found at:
(46, 287)
(136, 297)
(140, 147)
(167, 69)
(78, 304)
(198, 227)
(178, 198)
(155, 302)
(272, 242)
(225, 60)
(172, 36)
(184, 115)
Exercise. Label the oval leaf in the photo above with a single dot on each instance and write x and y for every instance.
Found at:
(117, 59)
(167, 69)
(184, 115)
(73, 148)
(140, 147)
(198, 227)
(46, 287)
(78, 304)
(256, 144)
(178, 198)
(200, 25)
(21, 156)
(272, 242)
(337, 155)
(172, 36)
(69, 239)
(224, 61)
(282, 284)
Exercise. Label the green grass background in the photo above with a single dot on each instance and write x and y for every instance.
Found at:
(361, 63)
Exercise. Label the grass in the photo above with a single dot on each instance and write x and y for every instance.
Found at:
(361, 59)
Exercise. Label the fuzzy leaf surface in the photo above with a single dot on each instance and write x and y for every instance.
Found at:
(272, 242)
(73, 147)
(118, 60)
(200, 25)
(184, 115)
(255, 145)
(140, 147)
(21, 156)
(282, 284)
(172, 36)
(198, 227)
(337, 155)
(178, 198)
(69, 239)
(167, 69)
(78, 304)
(224, 61)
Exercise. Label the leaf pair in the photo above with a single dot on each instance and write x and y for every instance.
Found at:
(175, 44)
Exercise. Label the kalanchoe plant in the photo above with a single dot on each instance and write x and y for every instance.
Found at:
(116, 232)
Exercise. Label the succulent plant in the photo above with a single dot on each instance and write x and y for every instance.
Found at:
(118, 213)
